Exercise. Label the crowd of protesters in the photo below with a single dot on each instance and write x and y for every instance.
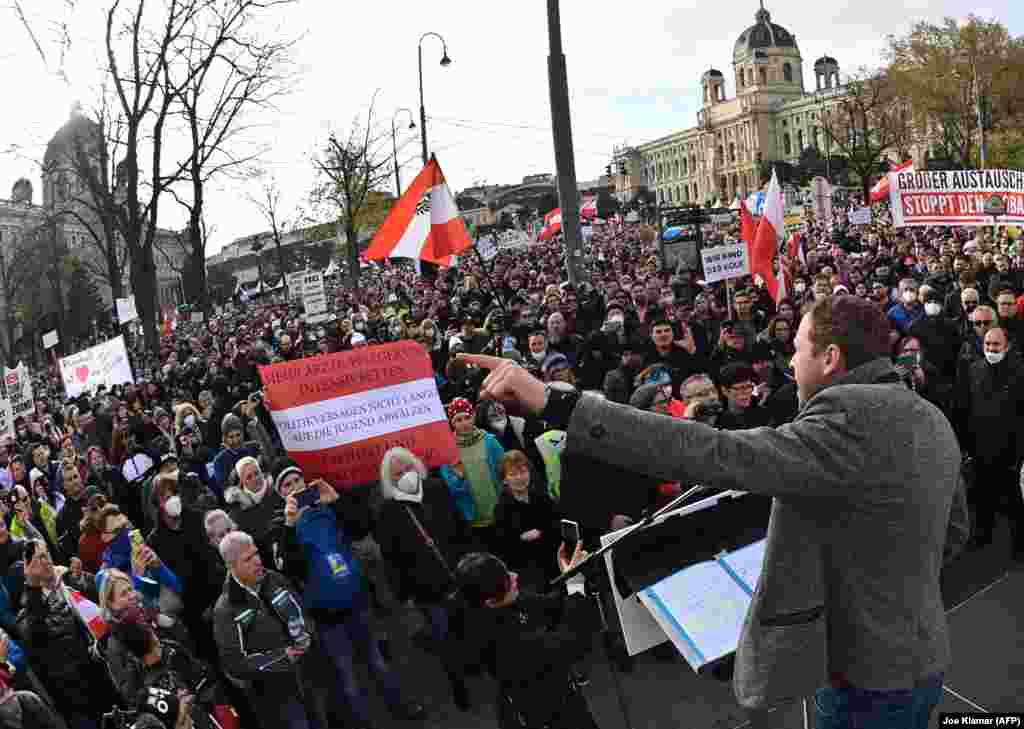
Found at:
(247, 593)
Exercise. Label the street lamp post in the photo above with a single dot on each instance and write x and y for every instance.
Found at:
(394, 147)
(824, 133)
(445, 61)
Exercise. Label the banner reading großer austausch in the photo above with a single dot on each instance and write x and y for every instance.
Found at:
(955, 198)
(338, 414)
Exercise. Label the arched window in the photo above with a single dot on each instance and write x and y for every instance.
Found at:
(787, 72)
(685, 170)
(800, 139)
(814, 137)
(763, 74)
(693, 162)
(732, 151)
(750, 77)
(787, 146)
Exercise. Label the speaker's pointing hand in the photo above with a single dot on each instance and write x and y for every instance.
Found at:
(508, 383)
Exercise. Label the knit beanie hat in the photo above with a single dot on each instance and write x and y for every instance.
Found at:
(281, 470)
(231, 423)
(459, 405)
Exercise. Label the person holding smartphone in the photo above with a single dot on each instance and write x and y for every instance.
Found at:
(529, 642)
(320, 527)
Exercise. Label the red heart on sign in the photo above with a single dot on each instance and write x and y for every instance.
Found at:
(82, 373)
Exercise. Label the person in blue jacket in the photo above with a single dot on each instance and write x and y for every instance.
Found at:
(318, 554)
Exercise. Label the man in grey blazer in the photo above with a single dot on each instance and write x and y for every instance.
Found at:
(848, 607)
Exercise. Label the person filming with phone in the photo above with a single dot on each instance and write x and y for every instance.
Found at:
(320, 527)
(529, 642)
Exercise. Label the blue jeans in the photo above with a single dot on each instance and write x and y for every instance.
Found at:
(855, 708)
(339, 641)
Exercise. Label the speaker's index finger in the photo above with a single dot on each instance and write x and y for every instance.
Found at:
(482, 360)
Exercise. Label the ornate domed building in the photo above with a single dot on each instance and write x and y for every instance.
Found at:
(65, 212)
(771, 117)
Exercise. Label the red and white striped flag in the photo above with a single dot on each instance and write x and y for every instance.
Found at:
(338, 414)
(552, 224)
(88, 612)
(425, 224)
(767, 241)
(880, 191)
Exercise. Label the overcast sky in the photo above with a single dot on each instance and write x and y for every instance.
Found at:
(633, 69)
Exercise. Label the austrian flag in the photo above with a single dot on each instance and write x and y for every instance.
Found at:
(425, 223)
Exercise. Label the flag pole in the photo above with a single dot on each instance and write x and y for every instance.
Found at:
(728, 296)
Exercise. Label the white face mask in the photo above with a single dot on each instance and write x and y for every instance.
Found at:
(994, 358)
(172, 507)
(909, 297)
(409, 483)
(932, 308)
(498, 422)
(190, 421)
(539, 356)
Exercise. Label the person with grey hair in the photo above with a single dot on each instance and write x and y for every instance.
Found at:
(217, 524)
(262, 634)
(422, 536)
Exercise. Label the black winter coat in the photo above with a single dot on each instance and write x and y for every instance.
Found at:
(530, 646)
(512, 518)
(989, 417)
(416, 568)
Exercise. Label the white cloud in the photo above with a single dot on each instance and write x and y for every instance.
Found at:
(633, 70)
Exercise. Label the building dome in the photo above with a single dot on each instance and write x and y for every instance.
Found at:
(713, 73)
(22, 192)
(826, 61)
(763, 34)
(77, 126)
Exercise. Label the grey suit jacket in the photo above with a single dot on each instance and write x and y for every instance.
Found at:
(863, 479)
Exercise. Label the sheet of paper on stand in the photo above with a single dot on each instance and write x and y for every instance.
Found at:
(702, 607)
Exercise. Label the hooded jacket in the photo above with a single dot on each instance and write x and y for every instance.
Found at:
(333, 581)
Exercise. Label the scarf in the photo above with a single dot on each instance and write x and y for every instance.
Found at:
(470, 439)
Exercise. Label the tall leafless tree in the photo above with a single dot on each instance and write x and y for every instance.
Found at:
(350, 168)
(268, 202)
(226, 71)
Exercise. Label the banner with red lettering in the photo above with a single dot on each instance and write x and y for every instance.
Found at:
(338, 414)
(955, 198)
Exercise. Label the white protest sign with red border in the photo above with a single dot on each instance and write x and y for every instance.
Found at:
(955, 198)
(338, 414)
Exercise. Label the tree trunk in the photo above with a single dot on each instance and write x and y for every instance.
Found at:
(353, 257)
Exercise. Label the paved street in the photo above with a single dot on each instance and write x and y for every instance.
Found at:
(987, 625)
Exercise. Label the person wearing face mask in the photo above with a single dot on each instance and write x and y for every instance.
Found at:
(422, 535)
(991, 429)
(512, 432)
(938, 336)
(907, 310)
(253, 505)
(318, 553)
(967, 300)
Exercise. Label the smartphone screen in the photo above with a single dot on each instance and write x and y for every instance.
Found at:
(307, 497)
(570, 535)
